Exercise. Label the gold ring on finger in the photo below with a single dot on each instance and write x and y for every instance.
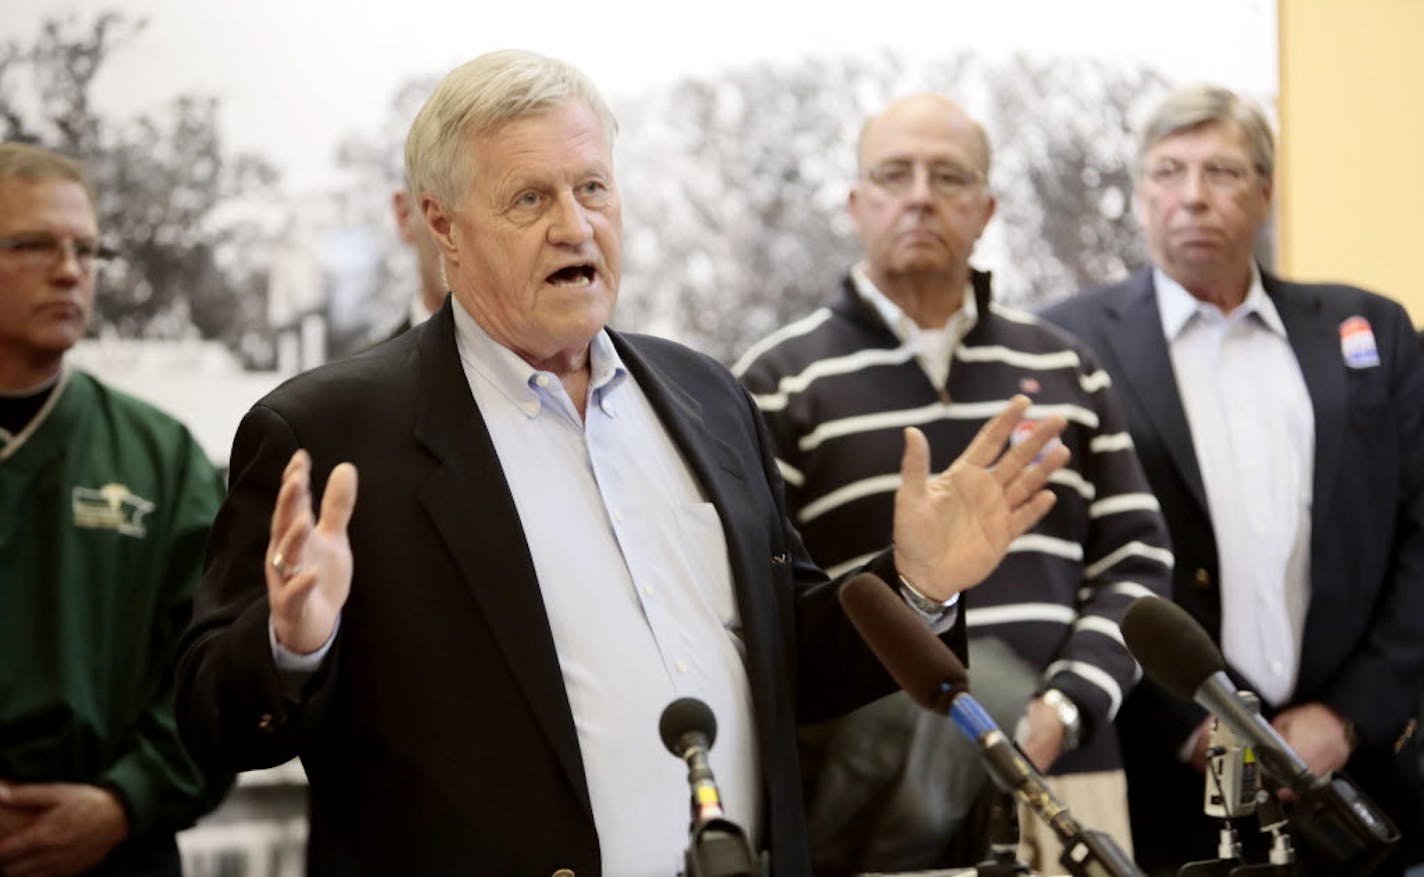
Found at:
(284, 569)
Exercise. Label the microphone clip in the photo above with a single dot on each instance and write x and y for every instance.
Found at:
(719, 848)
(1002, 860)
(1280, 859)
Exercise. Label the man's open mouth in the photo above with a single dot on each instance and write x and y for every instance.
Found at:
(573, 275)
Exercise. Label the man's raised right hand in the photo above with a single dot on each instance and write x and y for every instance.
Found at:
(308, 563)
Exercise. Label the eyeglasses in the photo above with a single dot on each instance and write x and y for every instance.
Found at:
(39, 251)
(948, 181)
(1223, 176)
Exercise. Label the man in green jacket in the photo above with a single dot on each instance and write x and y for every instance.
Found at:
(105, 504)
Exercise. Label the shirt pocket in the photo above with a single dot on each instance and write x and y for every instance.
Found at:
(704, 546)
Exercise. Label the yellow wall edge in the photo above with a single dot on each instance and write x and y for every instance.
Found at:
(1350, 181)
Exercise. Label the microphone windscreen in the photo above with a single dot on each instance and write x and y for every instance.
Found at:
(686, 715)
(1169, 644)
(922, 665)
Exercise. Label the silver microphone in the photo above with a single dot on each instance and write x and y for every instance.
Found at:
(1233, 778)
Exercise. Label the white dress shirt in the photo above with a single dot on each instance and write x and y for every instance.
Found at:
(934, 348)
(1253, 428)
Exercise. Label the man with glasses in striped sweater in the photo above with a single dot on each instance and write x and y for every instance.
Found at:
(914, 338)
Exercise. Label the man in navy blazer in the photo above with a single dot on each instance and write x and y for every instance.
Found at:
(1282, 428)
(560, 530)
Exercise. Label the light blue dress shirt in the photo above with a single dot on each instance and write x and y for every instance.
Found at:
(633, 566)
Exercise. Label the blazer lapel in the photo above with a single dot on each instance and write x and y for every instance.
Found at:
(1138, 340)
(1317, 349)
(471, 506)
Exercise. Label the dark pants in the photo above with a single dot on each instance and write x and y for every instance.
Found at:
(155, 857)
(890, 786)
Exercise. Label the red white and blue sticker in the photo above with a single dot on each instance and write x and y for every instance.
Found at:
(1357, 343)
(1021, 432)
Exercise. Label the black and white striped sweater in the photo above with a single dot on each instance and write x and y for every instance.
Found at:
(838, 387)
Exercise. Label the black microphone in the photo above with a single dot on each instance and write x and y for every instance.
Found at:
(935, 679)
(717, 847)
(1334, 816)
(689, 729)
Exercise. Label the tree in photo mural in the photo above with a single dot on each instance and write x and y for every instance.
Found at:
(1068, 131)
(733, 194)
(734, 187)
(169, 191)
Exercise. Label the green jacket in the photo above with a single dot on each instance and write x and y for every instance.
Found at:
(105, 504)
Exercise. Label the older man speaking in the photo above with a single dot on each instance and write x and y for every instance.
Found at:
(560, 529)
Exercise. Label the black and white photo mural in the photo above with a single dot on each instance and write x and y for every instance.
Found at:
(245, 155)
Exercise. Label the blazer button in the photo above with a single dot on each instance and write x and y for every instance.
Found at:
(266, 722)
(1201, 578)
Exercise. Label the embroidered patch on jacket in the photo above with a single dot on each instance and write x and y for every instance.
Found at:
(111, 507)
(1357, 343)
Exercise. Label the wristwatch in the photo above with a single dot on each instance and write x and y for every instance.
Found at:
(1067, 712)
(932, 610)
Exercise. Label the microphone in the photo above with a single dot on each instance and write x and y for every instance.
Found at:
(1233, 789)
(717, 847)
(1334, 816)
(935, 679)
(1232, 778)
(689, 729)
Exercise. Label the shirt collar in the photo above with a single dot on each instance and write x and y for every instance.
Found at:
(900, 322)
(1177, 306)
(516, 379)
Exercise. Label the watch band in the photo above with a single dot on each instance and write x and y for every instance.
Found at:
(1068, 715)
(922, 604)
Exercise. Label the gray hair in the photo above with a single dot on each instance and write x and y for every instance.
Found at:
(478, 97)
(35, 164)
(1193, 106)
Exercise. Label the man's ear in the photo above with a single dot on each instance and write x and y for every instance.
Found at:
(990, 208)
(1139, 210)
(855, 203)
(403, 207)
(441, 223)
